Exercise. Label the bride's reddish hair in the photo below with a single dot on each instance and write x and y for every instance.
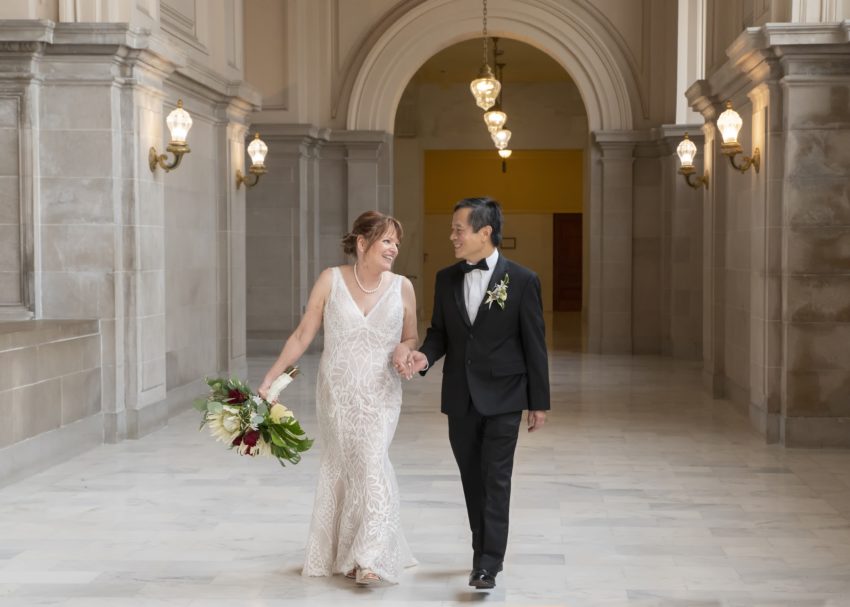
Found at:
(371, 225)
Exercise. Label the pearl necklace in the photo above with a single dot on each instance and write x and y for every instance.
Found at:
(359, 284)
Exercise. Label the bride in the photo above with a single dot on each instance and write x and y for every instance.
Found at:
(369, 315)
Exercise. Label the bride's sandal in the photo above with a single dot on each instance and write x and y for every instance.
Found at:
(352, 574)
(367, 577)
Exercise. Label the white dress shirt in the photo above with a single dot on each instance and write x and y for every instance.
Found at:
(475, 285)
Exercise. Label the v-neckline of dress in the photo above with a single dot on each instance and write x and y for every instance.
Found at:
(364, 316)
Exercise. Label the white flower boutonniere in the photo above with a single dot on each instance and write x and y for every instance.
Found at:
(499, 294)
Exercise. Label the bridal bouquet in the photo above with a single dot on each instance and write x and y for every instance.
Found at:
(251, 424)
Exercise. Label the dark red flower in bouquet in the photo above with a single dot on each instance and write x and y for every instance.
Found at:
(237, 441)
(236, 397)
(251, 437)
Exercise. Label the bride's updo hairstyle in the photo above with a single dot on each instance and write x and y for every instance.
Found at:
(371, 225)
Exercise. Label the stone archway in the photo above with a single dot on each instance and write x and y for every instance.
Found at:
(569, 33)
(581, 42)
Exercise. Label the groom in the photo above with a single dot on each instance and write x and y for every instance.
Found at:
(488, 322)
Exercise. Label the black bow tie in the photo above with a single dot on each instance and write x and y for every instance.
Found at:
(468, 267)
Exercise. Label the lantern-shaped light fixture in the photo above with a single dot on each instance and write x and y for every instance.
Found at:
(729, 123)
(687, 151)
(485, 88)
(179, 122)
(495, 119)
(257, 150)
(501, 138)
(505, 154)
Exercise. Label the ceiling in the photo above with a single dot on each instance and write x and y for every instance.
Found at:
(460, 63)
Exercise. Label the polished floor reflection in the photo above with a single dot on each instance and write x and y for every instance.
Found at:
(640, 491)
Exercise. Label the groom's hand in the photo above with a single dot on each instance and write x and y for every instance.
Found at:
(418, 361)
(536, 419)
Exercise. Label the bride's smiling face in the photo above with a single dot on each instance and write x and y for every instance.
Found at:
(381, 255)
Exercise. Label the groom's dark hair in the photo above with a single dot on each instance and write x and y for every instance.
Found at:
(485, 212)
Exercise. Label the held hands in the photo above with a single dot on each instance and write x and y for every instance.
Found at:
(401, 361)
(408, 362)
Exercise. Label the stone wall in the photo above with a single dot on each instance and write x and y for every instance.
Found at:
(50, 399)
(775, 302)
(156, 257)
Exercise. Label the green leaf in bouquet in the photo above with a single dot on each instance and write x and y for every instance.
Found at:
(262, 408)
(200, 404)
(276, 439)
(215, 407)
(287, 433)
(256, 420)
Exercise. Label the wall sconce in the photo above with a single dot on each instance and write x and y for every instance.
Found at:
(729, 124)
(257, 150)
(505, 154)
(179, 122)
(687, 151)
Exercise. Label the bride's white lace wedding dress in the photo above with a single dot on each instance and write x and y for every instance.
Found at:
(358, 400)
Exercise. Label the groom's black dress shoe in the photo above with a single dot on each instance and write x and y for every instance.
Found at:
(482, 579)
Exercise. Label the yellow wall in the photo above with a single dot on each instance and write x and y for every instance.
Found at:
(537, 181)
(537, 184)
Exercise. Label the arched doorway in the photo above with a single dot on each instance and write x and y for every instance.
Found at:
(578, 39)
(442, 152)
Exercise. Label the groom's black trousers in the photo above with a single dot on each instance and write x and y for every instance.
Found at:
(484, 447)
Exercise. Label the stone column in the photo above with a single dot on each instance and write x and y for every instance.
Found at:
(713, 279)
(232, 291)
(369, 161)
(816, 228)
(766, 342)
(611, 246)
(279, 239)
(138, 336)
(682, 247)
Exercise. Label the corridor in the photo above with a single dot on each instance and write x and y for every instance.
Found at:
(640, 491)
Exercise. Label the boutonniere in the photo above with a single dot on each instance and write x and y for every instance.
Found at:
(499, 294)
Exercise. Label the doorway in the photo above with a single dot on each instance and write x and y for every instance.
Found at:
(567, 249)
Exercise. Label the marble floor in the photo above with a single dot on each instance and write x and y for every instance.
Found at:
(640, 491)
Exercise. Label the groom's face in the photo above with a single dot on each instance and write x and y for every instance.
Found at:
(468, 245)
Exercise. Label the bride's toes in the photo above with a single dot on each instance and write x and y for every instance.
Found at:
(365, 577)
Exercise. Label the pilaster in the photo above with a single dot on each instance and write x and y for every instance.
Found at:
(611, 274)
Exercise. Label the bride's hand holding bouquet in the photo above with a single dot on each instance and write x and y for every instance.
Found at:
(254, 424)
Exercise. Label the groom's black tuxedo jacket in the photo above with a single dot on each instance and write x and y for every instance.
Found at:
(500, 361)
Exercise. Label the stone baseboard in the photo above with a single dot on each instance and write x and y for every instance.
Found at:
(815, 432)
(49, 448)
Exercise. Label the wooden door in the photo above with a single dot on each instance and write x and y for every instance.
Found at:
(567, 262)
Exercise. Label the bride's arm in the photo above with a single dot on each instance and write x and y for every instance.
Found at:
(303, 335)
(409, 330)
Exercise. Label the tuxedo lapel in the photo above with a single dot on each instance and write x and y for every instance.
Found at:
(457, 289)
(496, 278)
